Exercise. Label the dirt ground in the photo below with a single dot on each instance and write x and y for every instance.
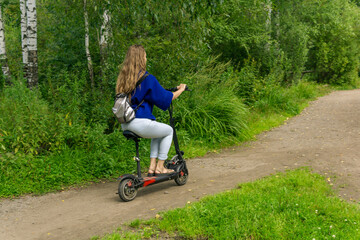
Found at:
(325, 136)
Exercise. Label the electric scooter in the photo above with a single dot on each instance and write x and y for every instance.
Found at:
(129, 183)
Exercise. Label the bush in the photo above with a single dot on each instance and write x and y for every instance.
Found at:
(249, 83)
(26, 122)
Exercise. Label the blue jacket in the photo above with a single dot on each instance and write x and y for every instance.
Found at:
(154, 94)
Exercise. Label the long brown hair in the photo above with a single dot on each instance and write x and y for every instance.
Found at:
(132, 69)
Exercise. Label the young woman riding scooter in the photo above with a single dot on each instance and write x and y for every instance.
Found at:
(151, 93)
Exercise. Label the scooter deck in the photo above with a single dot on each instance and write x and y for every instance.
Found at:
(158, 178)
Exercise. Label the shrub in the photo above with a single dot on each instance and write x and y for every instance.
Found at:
(26, 122)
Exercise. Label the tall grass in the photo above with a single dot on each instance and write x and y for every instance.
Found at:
(276, 98)
(213, 111)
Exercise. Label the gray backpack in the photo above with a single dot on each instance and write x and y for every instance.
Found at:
(122, 107)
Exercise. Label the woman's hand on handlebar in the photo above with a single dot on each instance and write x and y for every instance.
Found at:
(180, 88)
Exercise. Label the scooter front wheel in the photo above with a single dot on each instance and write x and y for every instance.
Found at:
(181, 179)
(127, 191)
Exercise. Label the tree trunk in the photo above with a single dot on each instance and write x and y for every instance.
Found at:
(104, 41)
(278, 28)
(104, 33)
(269, 11)
(32, 64)
(88, 55)
(24, 36)
(268, 8)
(3, 58)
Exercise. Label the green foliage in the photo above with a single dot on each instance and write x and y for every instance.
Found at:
(238, 31)
(26, 123)
(11, 18)
(357, 2)
(2, 82)
(249, 83)
(292, 37)
(321, 36)
(334, 40)
(61, 41)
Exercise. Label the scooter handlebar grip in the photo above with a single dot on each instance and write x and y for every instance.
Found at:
(174, 89)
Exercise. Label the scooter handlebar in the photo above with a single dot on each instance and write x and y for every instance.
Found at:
(174, 89)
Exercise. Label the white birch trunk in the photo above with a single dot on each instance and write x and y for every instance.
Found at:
(88, 55)
(105, 29)
(269, 11)
(24, 35)
(268, 8)
(3, 57)
(278, 28)
(32, 67)
(104, 41)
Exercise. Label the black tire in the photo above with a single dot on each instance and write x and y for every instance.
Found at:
(181, 178)
(127, 191)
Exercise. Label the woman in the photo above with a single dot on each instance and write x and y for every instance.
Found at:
(144, 124)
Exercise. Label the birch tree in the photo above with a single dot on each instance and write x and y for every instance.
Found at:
(104, 33)
(3, 58)
(88, 55)
(32, 67)
(268, 8)
(29, 41)
(104, 41)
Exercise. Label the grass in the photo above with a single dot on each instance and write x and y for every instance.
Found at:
(296, 204)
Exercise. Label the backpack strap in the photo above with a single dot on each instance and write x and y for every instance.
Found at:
(141, 79)
(137, 84)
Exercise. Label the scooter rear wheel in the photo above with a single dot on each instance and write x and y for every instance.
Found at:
(127, 191)
(181, 178)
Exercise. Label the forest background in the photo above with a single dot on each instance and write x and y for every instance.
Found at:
(247, 62)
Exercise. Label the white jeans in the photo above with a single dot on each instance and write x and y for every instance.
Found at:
(161, 135)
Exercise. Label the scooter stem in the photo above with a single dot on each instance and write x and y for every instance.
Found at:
(137, 158)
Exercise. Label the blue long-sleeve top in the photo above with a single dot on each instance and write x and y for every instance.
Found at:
(154, 94)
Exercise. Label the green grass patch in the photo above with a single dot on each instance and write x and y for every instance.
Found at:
(296, 204)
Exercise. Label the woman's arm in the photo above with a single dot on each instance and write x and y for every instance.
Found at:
(180, 88)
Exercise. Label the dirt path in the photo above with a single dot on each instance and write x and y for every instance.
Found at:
(326, 136)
